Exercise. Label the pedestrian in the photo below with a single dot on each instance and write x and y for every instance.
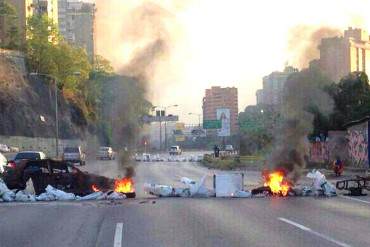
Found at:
(338, 166)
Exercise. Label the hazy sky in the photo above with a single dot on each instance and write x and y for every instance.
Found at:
(217, 42)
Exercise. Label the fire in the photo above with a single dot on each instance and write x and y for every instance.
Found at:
(95, 188)
(277, 182)
(124, 185)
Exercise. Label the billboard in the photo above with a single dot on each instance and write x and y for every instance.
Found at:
(223, 114)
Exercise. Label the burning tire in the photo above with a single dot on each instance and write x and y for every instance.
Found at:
(130, 195)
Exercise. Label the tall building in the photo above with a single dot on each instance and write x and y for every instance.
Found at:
(77, 24)
(26, 8)
(273, 86)
(341, 55)
(218, 101)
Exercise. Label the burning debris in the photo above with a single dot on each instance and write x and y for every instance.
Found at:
(59, 180)
(355, 186)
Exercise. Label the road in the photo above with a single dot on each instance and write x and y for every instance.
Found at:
(172, 222)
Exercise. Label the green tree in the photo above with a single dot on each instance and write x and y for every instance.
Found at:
(42, 37)
(256, 127)
(352, 99)
(9, 20)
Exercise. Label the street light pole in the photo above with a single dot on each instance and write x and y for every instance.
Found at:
(199, 115)
(165, 125)
(56, 119)
(56, 106)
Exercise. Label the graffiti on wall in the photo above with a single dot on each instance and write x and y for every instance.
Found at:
(319, 152)
(357, 147)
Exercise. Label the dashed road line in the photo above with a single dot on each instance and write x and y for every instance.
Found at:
(118, 235)
(307, 229)
(354, 199)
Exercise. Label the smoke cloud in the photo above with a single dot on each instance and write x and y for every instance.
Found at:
(303, 42)
(303, 91)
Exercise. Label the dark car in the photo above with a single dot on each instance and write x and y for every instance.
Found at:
(59, 174)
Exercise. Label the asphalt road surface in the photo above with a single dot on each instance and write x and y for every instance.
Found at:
(185, 222)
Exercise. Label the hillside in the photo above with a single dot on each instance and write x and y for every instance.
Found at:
(23, 100)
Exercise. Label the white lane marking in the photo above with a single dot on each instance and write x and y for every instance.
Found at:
(118, 236)
(330, 239)
(354, 199)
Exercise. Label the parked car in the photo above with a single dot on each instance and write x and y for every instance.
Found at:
(175, 150)
(29, 155)
(26, 155)
(4, 148)
(3, 162)
(74, 155)
(106, 153)
(229, 148)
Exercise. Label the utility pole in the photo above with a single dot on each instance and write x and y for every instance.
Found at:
(56, 119)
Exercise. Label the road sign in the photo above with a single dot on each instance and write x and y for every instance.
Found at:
(212, 124)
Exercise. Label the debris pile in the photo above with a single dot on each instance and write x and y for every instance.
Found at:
(232, 185)
(53, 194)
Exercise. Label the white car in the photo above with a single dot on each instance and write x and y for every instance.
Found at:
(74, 155)
(175, 150)
(106, 153)
(3, 162)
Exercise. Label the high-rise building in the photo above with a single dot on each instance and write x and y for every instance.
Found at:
(218, 101)
(273, 86)
(26, 8)
(77, 24)
(341, 55)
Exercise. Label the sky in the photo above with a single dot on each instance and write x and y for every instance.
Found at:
(216, 42)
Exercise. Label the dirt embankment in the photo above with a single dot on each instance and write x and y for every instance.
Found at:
(27, 106)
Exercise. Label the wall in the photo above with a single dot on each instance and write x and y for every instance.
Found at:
(47, 145)
(357, 137)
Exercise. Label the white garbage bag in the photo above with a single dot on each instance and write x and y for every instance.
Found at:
(59, 194)
(116, 196)
(45, 197)
(22, 196)
(8, 196)
(242, 194)
(3, 187)
(159, 190)
(320, 184)
(92, 196)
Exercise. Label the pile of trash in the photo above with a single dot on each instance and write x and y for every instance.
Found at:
(232, 185)
(163, 158)
(53, 194)
(198, 189)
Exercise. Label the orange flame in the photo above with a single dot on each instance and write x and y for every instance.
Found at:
(95, 188)
(277, 183)
(124, 185)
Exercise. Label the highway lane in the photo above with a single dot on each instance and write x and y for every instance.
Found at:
(186, 222)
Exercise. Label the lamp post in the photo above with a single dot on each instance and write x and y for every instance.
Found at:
(165, 125)
(56, 106)
(196, 114)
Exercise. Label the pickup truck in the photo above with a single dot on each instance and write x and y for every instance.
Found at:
(74, 155)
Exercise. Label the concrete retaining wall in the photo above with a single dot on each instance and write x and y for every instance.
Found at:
(47, 145)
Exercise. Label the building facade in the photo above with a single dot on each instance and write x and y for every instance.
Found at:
(340, 56)
(273, 86)
(218, 98)
(77, 24)
(26, 8)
